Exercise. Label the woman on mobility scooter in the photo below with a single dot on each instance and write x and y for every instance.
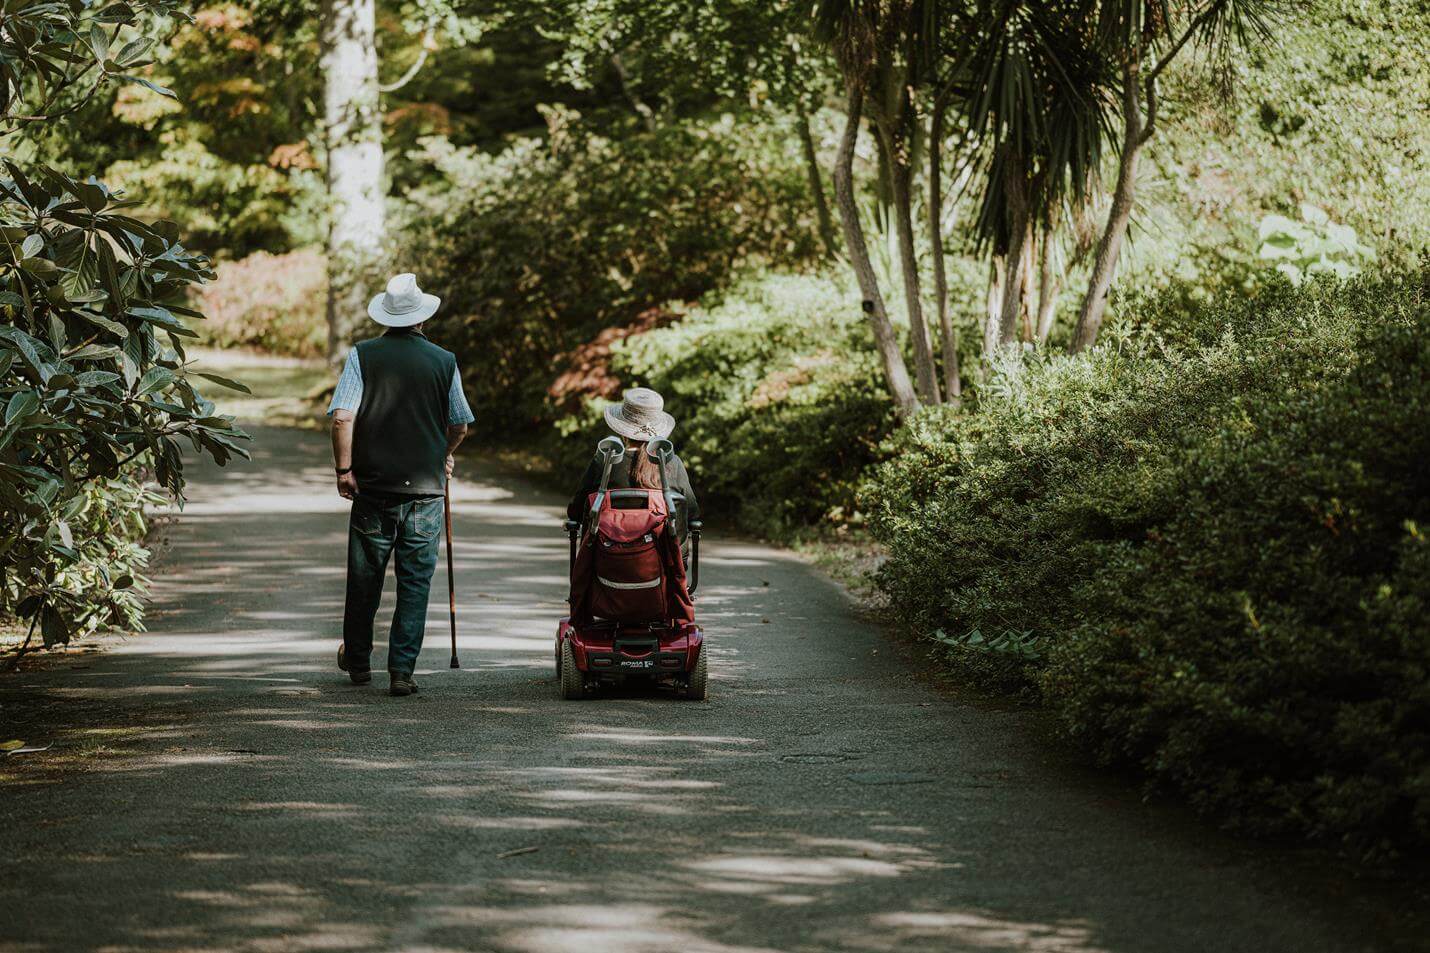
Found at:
(635, 533)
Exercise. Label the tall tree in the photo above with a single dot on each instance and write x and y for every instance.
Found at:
(948, 332)
(816, 178)
(894, 61)
(1142, 38)
(897, 137)
(352, 133)
(1036, 103)
(858, 36)
(895, 371)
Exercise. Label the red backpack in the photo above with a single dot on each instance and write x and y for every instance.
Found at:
(629, 568)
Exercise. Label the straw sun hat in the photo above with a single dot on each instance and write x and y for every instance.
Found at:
(403, 304)
(640, 415)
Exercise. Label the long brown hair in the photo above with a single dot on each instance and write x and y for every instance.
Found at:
(645, 473)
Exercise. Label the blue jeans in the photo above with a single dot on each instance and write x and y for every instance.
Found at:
(378, 527)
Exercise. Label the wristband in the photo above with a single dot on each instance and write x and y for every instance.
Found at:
(342, 471)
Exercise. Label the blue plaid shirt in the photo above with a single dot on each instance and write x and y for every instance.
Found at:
(348, 395)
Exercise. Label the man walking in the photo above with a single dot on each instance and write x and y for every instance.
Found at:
(398, 414)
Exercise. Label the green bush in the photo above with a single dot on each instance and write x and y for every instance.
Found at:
(1209, 556)
(274, 303)
(96, 581)
(538, 249)
(95, 386)
(778, 395)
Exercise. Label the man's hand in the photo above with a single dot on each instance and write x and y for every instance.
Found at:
(455, 434)
(343, 453)
(347, 486)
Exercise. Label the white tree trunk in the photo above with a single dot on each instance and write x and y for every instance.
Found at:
(1109, 246)
(993, 308)
(925, 373)
(816, 180)
(352, 131)
(895, 370)
(1013, 285)
(1048, 286)
(948, 334)
(1025, 303)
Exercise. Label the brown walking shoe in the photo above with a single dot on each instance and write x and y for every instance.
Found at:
(402, 685)
(360, 676)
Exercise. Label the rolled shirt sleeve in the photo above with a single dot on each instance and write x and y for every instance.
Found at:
(348, 394)
(458, 411)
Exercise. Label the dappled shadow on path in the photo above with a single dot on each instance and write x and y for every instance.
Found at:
(217, 785)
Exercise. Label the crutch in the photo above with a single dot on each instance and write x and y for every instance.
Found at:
(451, 585)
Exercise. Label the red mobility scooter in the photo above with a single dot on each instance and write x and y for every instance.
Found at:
(632, 615)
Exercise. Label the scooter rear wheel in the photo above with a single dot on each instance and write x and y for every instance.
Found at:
(573, 680)
(695, 688)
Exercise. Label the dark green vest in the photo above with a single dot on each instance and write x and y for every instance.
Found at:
(400, 434)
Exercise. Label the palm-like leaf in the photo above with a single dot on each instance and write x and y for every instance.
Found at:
(869, 36)
(1039, 102)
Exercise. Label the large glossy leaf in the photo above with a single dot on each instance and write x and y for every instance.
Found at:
(21, 405)
(30, 349)
(96, 378)
(93, 352)
(155, 379)
(228, 382)
(149, 85)
(114, 327)
(93, 196)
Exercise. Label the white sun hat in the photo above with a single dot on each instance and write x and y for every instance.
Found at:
(403, 304)
(640, 415)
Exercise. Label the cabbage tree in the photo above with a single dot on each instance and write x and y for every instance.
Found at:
(1033, 99)
(887, 51)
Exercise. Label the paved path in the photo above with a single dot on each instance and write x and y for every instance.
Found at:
(824, 799)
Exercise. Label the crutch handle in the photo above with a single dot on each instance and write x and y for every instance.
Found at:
(661, 450)
(612, 449)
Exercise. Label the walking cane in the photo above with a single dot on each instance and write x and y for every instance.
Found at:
(451, 586)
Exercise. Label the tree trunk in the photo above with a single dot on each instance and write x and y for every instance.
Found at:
(997, 269)
(883, 186)
(352, 131)
(1109, 246)
(816, 180)
(925, 373)
(887, 342)
(948, 335)
(1025, 300)
(1013, 287)
(1048, 286)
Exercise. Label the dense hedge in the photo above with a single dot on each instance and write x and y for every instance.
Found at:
(778, 396)
(1208, 555)
(540, 248)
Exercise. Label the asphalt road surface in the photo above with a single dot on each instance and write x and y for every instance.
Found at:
(216, 784)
